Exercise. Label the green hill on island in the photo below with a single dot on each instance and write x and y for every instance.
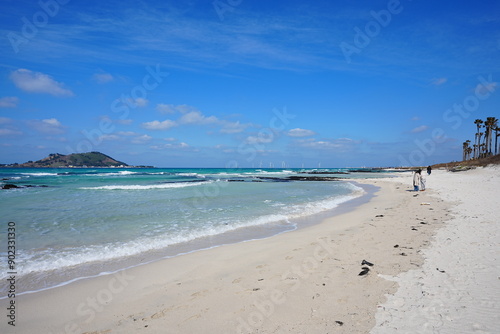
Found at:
(90, 159)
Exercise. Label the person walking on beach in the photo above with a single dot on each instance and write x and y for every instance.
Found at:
(422, 182)
(416, 179)
(429, 170)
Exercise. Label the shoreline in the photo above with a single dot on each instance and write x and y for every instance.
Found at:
(306, 280)
(250, 233)
(300, 276)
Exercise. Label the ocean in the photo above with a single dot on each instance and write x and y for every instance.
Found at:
(72, 223)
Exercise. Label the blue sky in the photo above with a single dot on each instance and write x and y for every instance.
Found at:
(215, 83)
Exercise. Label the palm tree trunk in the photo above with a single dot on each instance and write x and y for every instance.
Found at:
(496, 140)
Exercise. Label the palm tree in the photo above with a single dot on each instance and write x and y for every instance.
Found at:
(478, 123)
(469, 151)
(494, 126)
(497, 133)
(466, 149)
(480, 148)
(490, 124)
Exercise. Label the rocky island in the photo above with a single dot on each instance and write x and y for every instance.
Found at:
(75, 160)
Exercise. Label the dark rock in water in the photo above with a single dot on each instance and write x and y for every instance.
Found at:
(10, 186)
(322, 172)
(275, 179)
(298, 178)
(312, 178)
(235, 180)
(13, 186)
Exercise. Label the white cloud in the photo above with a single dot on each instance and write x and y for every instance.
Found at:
(172, 109)
(36, 82)
(300, 133)
(340, 144)
(157, 125)
(109, 137)
(261, 138)
(9, 102)
(103, 77)
(439, 81)
(196, 117)
(192, 116)
(127, 133)
(52, 122)
(165, 108)
(141, 139)
(415, 118)
(138, 102)
(9, 132)
(419, 129)
(233, 127)
(180, 145)
(5, 120)
(49, 126)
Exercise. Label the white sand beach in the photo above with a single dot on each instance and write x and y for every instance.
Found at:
(457, 290)
(435, 270)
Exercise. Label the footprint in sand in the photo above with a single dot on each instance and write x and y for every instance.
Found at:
(237, 280)
(199, 293)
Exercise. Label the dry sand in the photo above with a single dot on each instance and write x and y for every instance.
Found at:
(457, 290)
(307, 281)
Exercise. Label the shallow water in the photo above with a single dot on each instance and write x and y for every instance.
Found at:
(83, 222)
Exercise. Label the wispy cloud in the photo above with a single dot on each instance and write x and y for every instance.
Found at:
(259, 139)
(10, 132)
(300, 133)
(103, 78)
(196, 117)
(233, 127)
(419, 129)
(169, 146)
(9, 102)
(157, 125)
(172, 109)
(438, 81)
(36, 82)
(48, 126)
(137, 102)
(141, 139)
(192, 116)
(5, 120)
(338, 145)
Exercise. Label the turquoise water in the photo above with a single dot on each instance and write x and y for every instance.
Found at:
(69, 220)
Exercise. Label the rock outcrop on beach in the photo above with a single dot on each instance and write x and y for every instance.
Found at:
(56, 160)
